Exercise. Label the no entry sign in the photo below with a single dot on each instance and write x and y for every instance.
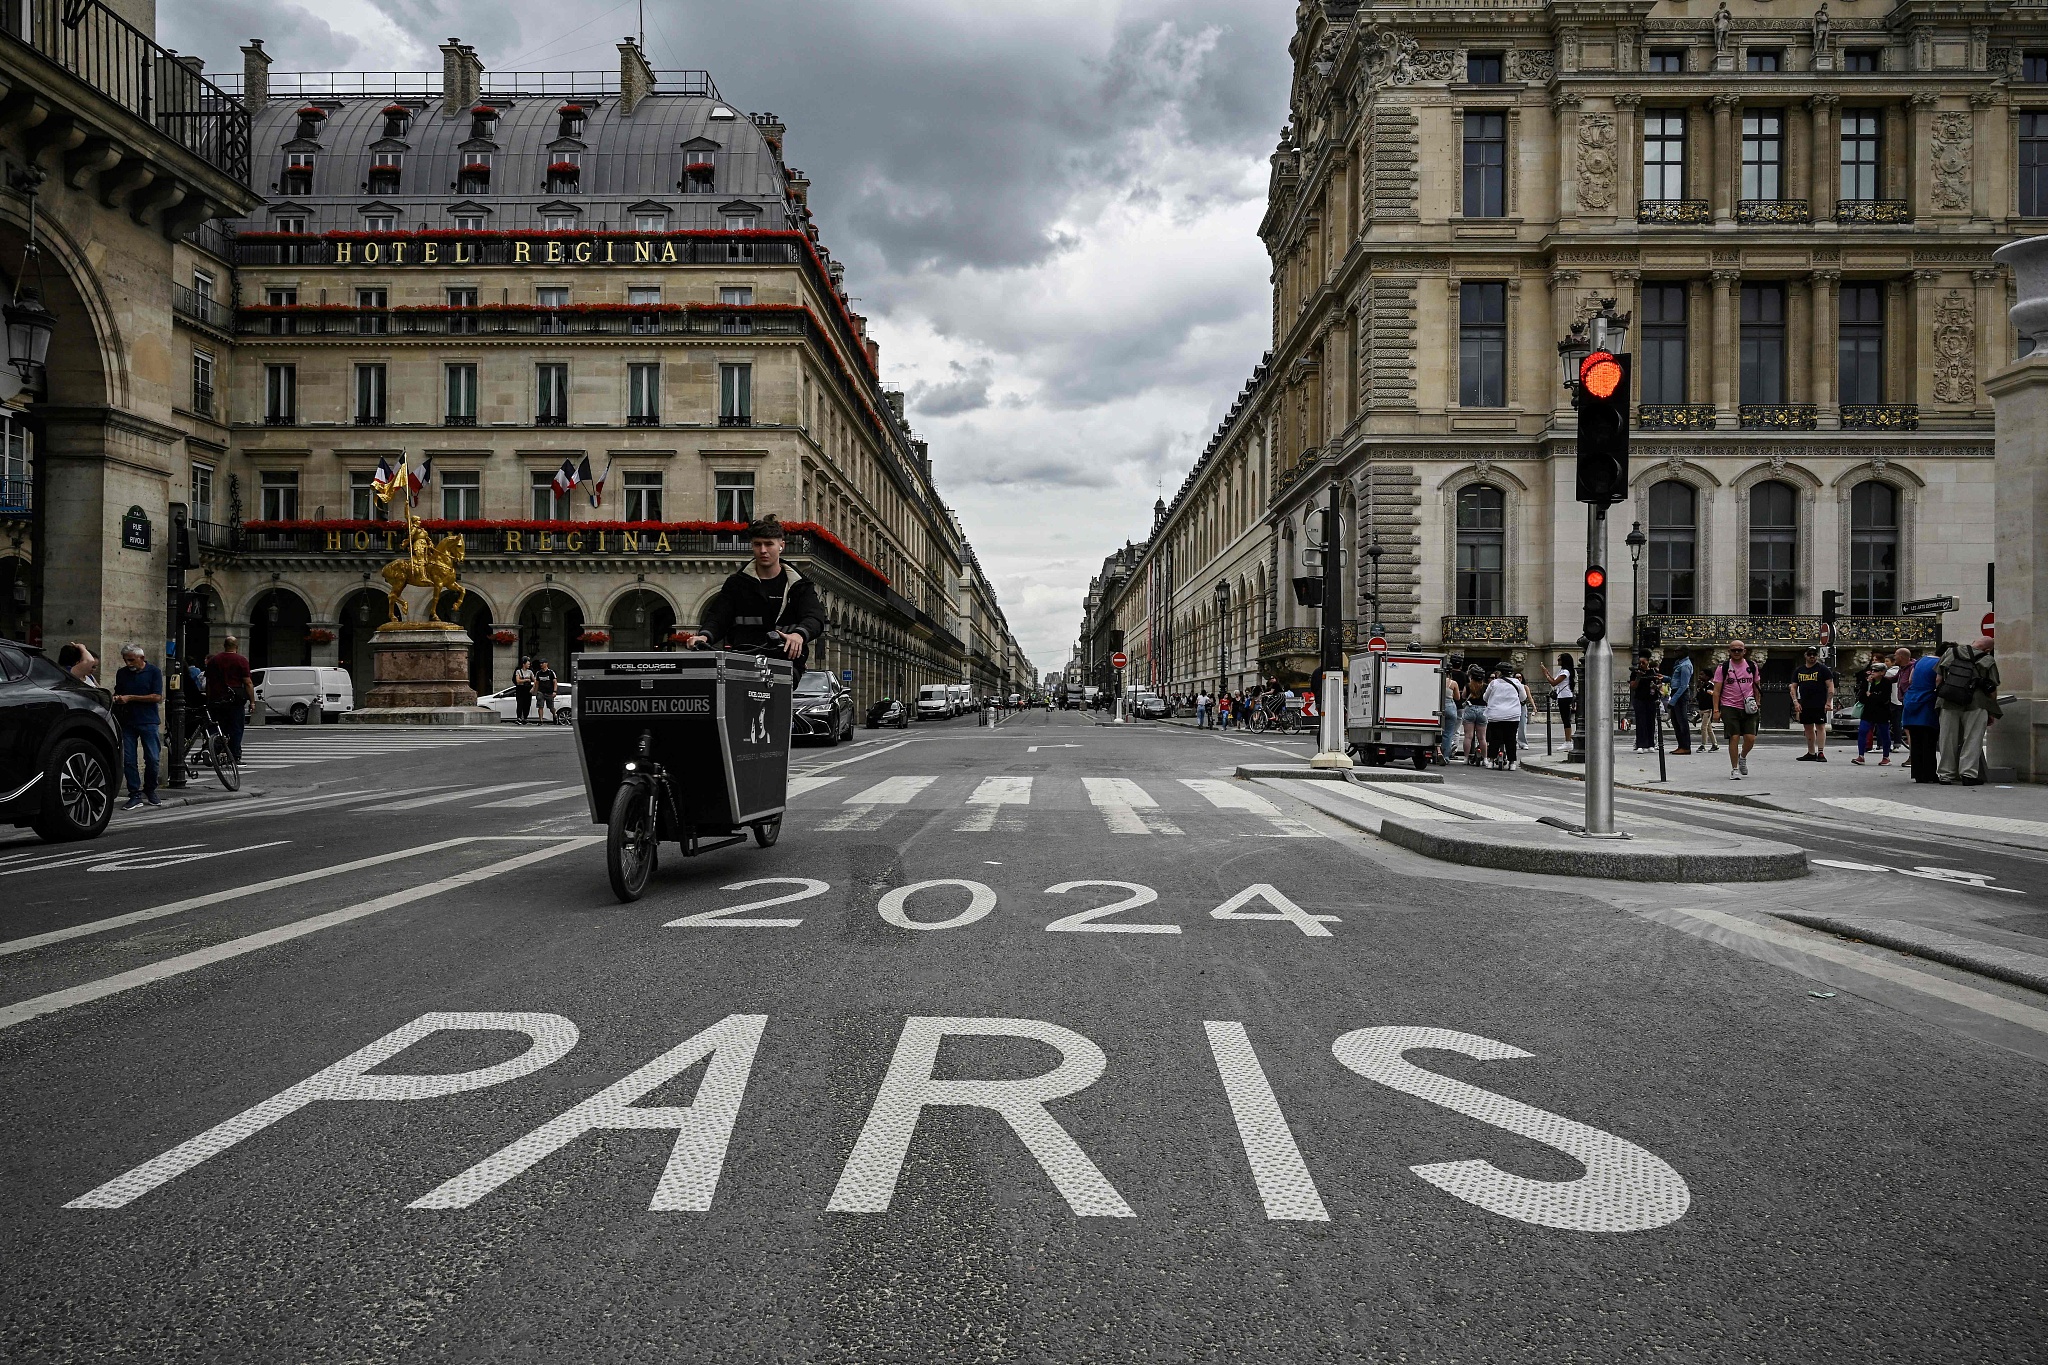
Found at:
(1119, 659)
(1377, 644)
(1985, 626)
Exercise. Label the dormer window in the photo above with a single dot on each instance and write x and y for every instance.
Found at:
(650, 222)
(468, 222)
(475, 175)
(384, 171)
(565, 172)
(558, 222)
(572, 116)
(700, 168)
(397, 120)
(298, 173)
(310, 119)
(482, 120)
(380, 222)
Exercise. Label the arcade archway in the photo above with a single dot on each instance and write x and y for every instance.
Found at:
(278, 620)
(641, 619)
(549, 622)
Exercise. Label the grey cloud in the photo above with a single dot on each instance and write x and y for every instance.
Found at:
(216, 30)
(964, 390)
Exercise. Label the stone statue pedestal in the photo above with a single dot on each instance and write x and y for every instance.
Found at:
(421, 673)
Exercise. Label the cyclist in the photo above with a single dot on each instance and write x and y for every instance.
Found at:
(768, 595)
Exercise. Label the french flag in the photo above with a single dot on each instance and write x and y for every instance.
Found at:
(596, 484)
(417, 479)
(566, 478)
(381, 482)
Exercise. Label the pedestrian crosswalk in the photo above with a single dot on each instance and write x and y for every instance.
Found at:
(269, 748)
(998, 804)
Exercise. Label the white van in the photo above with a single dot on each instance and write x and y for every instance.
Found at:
(934, 702)
(302, 696)
(963, 698)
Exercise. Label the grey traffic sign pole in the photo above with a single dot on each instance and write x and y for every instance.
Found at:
(1331, 693)
(1597, 718)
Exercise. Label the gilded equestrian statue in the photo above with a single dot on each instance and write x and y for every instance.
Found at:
(426, 565)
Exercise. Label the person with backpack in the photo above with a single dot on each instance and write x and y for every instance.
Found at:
(1680, 704)
(1738, 702)
(1917, 712)
(1966, 692)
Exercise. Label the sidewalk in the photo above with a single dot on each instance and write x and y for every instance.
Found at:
(2016, 815)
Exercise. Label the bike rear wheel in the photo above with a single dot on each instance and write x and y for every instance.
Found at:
(221, 755)
(632, 843)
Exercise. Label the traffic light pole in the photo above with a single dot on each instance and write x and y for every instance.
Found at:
(1597, 708)
(1331, 693)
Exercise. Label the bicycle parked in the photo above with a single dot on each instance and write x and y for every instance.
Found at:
(209, 746)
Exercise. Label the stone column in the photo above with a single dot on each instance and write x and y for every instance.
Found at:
(1726, 359)
(1919, 174)
(2020, 396)
(1898, 345)
(1825, 390)
(1727, 168)
(1985, 124)
(504, 657)
(1799, 341)
(1895, 163)
(1798, 179)
(1990, 293)
(1564, 107)
(1699, 341)
(326, 654)
(1920, 323)
(1826, 157)
(1628, 153)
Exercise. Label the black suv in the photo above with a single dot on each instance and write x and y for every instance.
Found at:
(821, 709)
(59, 748)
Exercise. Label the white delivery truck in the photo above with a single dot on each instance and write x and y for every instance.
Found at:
(1394, 707)
(934, 702)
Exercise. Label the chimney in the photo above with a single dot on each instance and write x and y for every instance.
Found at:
(772, 130)
(462, 77)
(874, 355)
(799, 187)
(894, 398)
(255, 74)
(636, 77)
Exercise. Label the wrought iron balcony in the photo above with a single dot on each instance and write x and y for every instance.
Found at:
(1874, 212)
(1290, 640)
(215, 535)
(1773, 212)
(1792, 632)
(1674, 416)
(551, 419)
(1778, 416)
(1486, 630)
(1674, 212)
(202, 308)
(459, 419)
(15, 498)
(735, 419)
(280, 419)
(643, 419)
(369, 419)
(1880, 417)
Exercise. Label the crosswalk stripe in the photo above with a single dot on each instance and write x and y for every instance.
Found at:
(1899, 810)
(1120, 799)
(799, 785)
(1226, 795)
(1392, 805)
(891, 791)
(1430, 796)
(458, 795)
(988, 801)
(534, 798)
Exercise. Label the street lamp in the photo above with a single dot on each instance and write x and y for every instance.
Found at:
(1373, 552)
(1635, 540)
(1222, 638)
(29, 324)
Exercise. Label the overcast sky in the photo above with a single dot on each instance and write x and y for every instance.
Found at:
(1048, 211)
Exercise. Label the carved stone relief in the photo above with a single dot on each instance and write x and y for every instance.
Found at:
(1955, 349)
(1534, 64)
(1950, 154)
(1596, 161)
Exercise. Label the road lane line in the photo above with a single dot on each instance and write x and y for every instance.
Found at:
(988, 801)
(40, 1005)
(891, 791)
(1392, 805)
(1226, 795)
(101, 926)
(799, 785)
(534, 798)
(857, 758)
(459, 795)
(1120, 800)
(283, 805)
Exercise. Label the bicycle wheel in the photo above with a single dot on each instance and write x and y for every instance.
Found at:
(632, 843)
(226, 766)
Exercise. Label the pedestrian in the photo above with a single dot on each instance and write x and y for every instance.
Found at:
(230, 691)
(1917, 713)
(1814, 682)
(1453, 703)
(1703, 707)
(1503, 712)
(1737, 704)
(1202, 710)
(1646, 694)
(544, 681)
(522, 688)
(1966, 691)
(138, 689)
(1474, 715)
(74, 658)
(1521, 681)
(1680, 705)
(1564, 690)
(1874, 711)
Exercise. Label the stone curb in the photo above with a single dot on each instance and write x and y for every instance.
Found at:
(1722, 798)
(211, 794)
(1368, 776)
(1752, 860)
(2009, 965)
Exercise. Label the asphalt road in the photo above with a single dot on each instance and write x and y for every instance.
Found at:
(373, 1067)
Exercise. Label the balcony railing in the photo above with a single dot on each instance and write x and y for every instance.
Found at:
(456, 251)
(1290, 640)
(1486, 630)
(1674, 212)
(1880, 417)
(459, 419)
(551, 419)
(1793, 632)
(202, 308)
(15, 498)
(643, 419)
(1773, 212)
(369, 419)
(1675, 416)
(1874, 212)
(735, 419)
(1778, 416)
(280, 419)
(604, 81)
(268, 320)
(113, 57)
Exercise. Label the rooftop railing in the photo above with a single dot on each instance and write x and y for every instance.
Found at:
(498, 84)
(153, 83)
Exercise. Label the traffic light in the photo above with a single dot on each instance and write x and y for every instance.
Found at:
(1830, 605)
(1603, 428)
(1596, 603)
(184, 543)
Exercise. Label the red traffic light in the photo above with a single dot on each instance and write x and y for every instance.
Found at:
(1596, 577)
(1600, 374)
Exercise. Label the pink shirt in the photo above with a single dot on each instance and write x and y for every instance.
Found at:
(1738, 681)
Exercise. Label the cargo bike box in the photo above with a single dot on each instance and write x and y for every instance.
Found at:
(691, 747)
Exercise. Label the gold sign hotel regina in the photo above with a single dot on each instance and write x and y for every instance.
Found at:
(592, 322)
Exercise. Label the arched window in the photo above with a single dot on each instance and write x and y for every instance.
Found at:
(1773, 549)
(1674, 549)
(1873, 549)
(1482, 551)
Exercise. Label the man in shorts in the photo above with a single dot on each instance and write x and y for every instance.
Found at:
(1737, 702)
(1815, 683)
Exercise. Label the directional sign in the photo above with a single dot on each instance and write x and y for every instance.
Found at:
(1377, 644)
(846, 675)
(1119, 659)
(1929, 606)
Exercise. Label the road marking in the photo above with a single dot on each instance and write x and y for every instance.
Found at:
(1977, 880)
(289, 805)
(1036, 747)
(459, 795)
(988, 801)
(1392, 805)
(1285, 1186)
(1120, 799)
(857, 758)
(1899, 810)
(534, 798)
(101, 926)
(799, 785)
(891, 791)
(158, 858)
(72, 857)
(1984, 1002)
(1429, 796)
(23, 1011)
(1226, 795)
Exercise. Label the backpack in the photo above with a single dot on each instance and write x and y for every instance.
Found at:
(1955, 683)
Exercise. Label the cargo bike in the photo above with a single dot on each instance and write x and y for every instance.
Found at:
(689, 747)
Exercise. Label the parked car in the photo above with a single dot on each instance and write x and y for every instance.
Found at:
(303, 695)
(59, 748)
(822, 708)
(506, 704)
(934, 701)
(890, 712)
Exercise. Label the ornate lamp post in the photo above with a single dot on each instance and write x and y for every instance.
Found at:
(1222, 639)
(1635, 540)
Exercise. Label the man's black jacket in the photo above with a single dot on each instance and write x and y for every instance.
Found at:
(746, 609)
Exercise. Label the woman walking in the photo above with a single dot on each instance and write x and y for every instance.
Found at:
(1503, 711)
(522, 688)
(1453, 704)
(1474, 713)
(1564, 687)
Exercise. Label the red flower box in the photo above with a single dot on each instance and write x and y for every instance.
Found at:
(484, 111)
(594, 637)
(571, 110)
(476, 168)
(564, 168)
(384, 168)
(504, 637)
(319, 635)
(312, 111)
(397, 111)
(702, 170)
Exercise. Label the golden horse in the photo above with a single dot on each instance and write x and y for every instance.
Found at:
(428, 566)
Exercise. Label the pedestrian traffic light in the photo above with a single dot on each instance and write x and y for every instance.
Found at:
(1603, 428)
(1596, 602)
(1830, 605)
